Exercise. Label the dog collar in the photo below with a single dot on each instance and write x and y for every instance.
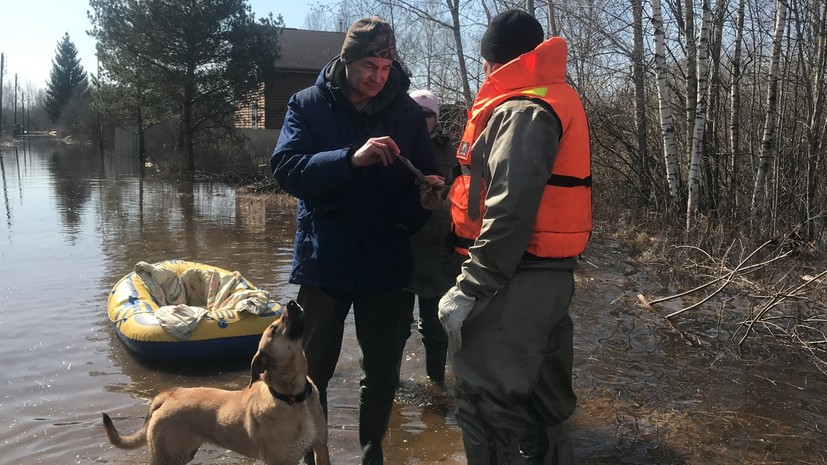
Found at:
(293, 398)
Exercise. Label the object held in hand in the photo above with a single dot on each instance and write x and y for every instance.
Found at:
(419, 175)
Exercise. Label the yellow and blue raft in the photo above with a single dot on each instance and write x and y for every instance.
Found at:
(176, 311)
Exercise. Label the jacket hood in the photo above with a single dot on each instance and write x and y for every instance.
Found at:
(332, 76)
(544, 65)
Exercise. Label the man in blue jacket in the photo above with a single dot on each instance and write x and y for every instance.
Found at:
(338, 153)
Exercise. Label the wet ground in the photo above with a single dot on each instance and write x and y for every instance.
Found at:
(73, 223)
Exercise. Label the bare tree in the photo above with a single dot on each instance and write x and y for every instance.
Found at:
(693, 178)
(815, 120)
(639, 78)
(552, 19)
(691, 97)
(713, 72)
(670, 149)
(771, 119)
(735, 111)
(456, 28)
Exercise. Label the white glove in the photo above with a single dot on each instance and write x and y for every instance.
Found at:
(454, 308)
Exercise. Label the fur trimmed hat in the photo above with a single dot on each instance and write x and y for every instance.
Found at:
(369, 37)
(427, 100)
(510, 34)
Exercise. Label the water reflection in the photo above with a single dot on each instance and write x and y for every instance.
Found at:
(75, 222)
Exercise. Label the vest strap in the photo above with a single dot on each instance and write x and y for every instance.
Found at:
(474, 187)
(569, 181)
(455, 241)
(559, 180)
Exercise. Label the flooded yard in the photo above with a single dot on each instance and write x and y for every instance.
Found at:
(73, 223)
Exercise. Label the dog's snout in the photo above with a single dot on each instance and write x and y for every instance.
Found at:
(295, 320)
(293, 306)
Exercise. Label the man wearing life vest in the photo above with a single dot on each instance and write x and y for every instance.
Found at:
(521, 211)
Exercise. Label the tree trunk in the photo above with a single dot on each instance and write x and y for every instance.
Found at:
(771, 119)
(667, 127)
(712, 143)
(693, 179)
(691, 101)
(639, 78)
(453, 5)
(816, 124)
(735, 111)
(552, 19)
(141, 137)
(187, 154)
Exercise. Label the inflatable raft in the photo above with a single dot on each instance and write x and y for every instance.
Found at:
(176, 311)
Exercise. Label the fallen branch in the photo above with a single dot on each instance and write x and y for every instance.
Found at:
(776, 300)
(705, 299)
(728, 278)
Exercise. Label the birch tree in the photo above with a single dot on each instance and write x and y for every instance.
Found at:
(667, 126)
(691, 98)
(693, 178)
(771, 117)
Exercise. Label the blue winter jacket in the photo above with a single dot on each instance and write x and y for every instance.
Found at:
(353, 223)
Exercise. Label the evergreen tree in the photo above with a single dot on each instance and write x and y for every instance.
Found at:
(66, 80)
(199, 61)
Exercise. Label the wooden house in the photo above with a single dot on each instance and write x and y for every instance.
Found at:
(303, 55)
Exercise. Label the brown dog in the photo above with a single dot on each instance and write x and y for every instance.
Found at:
(277, 418)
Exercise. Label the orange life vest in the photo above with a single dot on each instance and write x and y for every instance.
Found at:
(564, 220)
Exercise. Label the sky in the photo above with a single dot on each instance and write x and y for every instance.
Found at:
(31, 29)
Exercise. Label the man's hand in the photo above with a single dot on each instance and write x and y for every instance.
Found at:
(430, 193)
(454, 308)
(376, 150)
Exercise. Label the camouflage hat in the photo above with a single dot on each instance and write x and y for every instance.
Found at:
(369, 37)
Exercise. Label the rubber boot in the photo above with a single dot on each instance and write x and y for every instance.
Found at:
(435, 364)
(533, 449)
(560, 450)
(374, 414)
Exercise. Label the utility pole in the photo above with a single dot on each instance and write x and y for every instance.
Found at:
(14, 130)
(22, 113)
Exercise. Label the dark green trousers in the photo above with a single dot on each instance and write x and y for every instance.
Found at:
(433, 334)
(514, 373)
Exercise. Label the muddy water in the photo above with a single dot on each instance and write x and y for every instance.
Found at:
(72, 223)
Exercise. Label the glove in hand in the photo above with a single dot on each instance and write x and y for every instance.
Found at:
(454, 308)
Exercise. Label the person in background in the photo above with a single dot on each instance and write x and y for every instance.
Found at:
(435, 265)
(339, 153)
(521, 212)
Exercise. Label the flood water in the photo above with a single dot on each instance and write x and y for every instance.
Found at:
(73, 223)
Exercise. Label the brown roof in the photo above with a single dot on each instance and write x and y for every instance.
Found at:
(305, 50)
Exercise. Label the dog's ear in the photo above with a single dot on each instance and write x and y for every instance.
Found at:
(257, 366)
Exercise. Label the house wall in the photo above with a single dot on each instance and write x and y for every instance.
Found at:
(252, 116)
(278, 93)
